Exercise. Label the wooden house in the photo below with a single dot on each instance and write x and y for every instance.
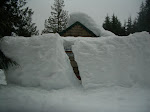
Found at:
(77, 30)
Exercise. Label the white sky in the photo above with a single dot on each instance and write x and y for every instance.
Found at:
(97, 9)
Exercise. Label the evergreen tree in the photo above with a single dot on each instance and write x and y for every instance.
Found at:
(113, 25)
(14, 19)
(107, 23)
(135, 26)
(147, 8)
(116, 25)
(124, 29)
(58, 19)
(143, 19)
(9, 16)
(129, 26)
(26, 27)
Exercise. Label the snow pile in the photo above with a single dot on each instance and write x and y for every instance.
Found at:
(89, 23)
(2, 78)
(121, 61)
(42, 62)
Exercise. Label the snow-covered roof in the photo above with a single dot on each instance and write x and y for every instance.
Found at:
(77, 23)
(88, 22)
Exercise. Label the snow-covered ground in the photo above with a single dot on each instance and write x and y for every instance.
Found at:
(114, 70)
(113, 99)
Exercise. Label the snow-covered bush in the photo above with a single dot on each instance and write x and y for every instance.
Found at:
(121, 61)
(42, 62)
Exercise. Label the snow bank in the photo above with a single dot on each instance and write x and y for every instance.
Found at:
(89, 23)
(42, 62)
(121, 61)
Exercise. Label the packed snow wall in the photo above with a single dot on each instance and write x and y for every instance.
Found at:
(42, 62)
(114, 61)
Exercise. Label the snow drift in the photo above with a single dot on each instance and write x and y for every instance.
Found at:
(121, 61)
(42, 62)
(89, 23)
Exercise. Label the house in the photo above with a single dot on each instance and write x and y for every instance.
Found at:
(77, 30)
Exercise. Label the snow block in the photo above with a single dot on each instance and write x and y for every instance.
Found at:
(114, 61)
(42, 62)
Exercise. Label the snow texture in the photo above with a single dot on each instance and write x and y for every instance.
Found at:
(113, 99)
(42, 62)
(68, 42)
(114, 61)
(89, 23)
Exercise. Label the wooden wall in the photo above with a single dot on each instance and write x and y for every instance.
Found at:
(76, 31)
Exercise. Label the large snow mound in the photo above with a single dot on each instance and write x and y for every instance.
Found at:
(119, 61)
(89, 23)
(42, 62)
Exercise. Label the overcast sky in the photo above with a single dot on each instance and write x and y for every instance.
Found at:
(97, 9)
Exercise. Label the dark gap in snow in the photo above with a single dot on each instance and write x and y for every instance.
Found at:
(73, 63)
(2, 78)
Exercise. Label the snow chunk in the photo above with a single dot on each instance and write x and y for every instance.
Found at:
(89, 23)
(119, 61)
(42, 62)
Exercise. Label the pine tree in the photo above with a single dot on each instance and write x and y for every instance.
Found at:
(9, 16)
(135, 26)
(144, 17)
(26, 27)
(141, 18)
(58, 19)
(147, 8)
(14, 19)
(113, 25)
(129, 26)
(116, 25)
(107, 23)
(121, 29)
